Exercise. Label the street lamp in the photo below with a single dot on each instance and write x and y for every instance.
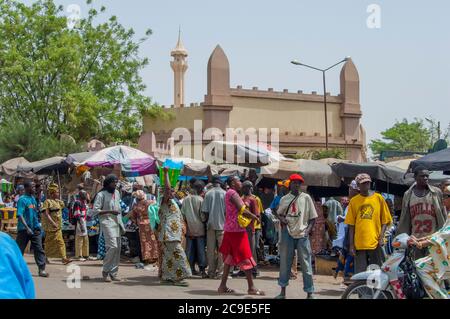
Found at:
(295, 62)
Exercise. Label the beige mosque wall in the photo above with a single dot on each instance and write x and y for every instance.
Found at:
(183, 117)
(291, 116)
(299, 116)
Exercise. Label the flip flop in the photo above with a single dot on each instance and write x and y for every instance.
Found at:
(67, 261)
(227, 291)
(256, 292)
(280, 297)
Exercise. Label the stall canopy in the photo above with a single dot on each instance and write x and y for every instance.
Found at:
(77, 158)
(439, 161)
(133, 162)
(314, 172)
(436, 177)
(388, 179)
(246, 153)
(377, 171)
(226, 170)
(45, 167)
(9, 167)
(192, 167)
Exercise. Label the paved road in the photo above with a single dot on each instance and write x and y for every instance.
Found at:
(144, 284)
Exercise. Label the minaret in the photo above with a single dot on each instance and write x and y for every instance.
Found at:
(179, 67)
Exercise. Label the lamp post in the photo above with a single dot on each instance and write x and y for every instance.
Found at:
(295, 62)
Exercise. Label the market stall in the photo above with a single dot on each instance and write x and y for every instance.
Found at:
(439, 161)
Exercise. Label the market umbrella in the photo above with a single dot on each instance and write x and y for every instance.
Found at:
(314, 172)
(77, 158)
(439, 161)
(10, 166)
(245, 153)
(133, 162)
(45, 167)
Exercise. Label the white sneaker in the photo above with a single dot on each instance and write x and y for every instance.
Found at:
(92, 258)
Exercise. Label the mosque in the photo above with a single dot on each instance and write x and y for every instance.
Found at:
(298, 116)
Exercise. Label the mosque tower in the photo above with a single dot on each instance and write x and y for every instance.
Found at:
(179, 66)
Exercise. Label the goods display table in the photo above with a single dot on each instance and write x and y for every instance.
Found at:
(8, 218)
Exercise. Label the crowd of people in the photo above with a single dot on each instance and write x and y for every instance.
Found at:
(219, 230)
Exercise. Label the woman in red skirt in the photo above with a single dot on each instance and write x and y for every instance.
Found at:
(235, 246)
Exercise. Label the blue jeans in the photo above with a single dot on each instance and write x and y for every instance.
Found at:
(287, 247)
(195, 249)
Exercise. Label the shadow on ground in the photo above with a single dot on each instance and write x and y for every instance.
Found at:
(212, 293)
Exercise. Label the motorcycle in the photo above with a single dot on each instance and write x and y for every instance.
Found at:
(387, 281)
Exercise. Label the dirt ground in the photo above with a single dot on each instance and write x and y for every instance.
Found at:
(144, 284)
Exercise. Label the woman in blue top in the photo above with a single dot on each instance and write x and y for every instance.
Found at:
(15, 277)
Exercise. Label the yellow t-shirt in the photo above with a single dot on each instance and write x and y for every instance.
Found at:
(367, 214)
(261, 210)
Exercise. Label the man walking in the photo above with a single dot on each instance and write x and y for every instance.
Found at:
(28, 228)
(195, 235)
(423, 210)
(297, 215)
(107, 207)
(214, 208)
(367, 217)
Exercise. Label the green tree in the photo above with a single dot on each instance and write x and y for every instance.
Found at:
(19, 138)
(83, 81)
(403, 136)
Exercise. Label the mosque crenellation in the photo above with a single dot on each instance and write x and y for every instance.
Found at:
(299, 116)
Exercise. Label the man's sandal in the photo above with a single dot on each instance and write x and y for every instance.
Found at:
(256, 292)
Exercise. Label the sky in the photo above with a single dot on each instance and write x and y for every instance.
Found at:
(403, 65)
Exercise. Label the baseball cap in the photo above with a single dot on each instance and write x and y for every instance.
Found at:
(363, 178)
(296, 177)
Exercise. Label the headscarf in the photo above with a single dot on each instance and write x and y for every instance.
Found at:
(53, 188)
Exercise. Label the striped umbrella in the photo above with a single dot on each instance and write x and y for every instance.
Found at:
(133, 162)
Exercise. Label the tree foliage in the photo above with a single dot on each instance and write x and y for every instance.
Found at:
(83, 82)
(403, 136)
(24, 139)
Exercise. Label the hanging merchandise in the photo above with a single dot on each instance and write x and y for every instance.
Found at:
(174, 171)
(6, 187)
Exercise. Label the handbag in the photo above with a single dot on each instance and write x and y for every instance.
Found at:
(411, 284)
(242, 220)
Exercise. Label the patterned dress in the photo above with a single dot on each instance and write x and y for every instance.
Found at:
(149, 244)
(318, 242)
(174, 263)
(434, 269)
(54, 242)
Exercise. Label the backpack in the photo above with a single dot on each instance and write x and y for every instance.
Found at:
(411, 284)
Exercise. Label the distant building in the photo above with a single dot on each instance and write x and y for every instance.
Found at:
(299, 116)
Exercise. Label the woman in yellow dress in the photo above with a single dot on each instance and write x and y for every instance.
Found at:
(52, 223)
